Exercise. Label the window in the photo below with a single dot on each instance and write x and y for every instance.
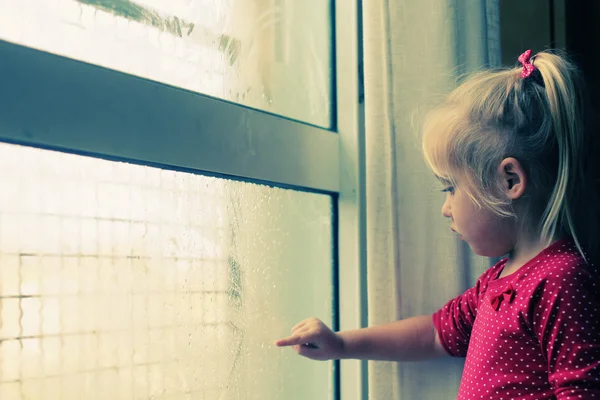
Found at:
(273, 55)
(124, 281)
(155, 241)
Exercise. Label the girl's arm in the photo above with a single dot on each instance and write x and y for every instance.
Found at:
(405, 340)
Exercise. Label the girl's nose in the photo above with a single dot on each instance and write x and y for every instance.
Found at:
(446, 210)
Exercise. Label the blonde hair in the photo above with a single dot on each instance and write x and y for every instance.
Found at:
(537, 120)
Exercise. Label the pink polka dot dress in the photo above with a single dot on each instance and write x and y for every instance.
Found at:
(534, 334)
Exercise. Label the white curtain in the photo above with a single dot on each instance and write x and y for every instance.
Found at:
(413, 51)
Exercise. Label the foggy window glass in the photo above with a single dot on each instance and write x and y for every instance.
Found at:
(120, 281)
(274, 55)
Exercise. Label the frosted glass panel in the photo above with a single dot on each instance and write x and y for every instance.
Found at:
(274, 55)
(120, 281)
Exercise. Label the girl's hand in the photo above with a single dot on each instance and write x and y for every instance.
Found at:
(313, 339)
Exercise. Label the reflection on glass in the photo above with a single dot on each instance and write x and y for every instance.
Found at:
(274, 55)
(120, 281)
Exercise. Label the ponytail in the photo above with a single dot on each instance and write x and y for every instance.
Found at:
(562, 83)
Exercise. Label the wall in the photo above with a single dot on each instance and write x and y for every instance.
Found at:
(534, 24)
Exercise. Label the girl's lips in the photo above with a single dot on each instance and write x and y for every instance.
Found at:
(459, 235)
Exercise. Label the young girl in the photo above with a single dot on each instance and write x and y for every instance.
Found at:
(509, 146)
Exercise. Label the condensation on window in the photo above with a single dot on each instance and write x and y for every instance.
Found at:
(272, 55)
(120, 281)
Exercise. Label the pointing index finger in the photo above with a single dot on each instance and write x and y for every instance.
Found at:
(290, 341)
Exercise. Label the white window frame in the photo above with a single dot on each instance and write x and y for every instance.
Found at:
(53, 102)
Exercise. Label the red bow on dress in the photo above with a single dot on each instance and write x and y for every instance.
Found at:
(506, 295)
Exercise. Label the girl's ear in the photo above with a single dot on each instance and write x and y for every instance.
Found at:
(513, 178)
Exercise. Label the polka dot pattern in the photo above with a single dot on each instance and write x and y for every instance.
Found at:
(534, 334)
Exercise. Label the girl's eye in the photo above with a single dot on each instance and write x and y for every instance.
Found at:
(449, 189)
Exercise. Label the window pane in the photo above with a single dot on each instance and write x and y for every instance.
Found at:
(120, 281)
(274, 55)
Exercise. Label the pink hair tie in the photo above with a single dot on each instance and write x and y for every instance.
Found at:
(528, 67)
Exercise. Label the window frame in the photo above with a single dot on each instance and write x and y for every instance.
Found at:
(53, 102)
(56, 102)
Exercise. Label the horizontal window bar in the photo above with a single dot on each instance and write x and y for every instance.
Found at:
(55, 102)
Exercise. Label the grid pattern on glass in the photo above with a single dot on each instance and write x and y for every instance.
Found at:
(273, 55)
(120, 281)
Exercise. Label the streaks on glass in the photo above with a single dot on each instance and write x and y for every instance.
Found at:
(121, 281)
(145, 15)
(283, 278)
(271, 55)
